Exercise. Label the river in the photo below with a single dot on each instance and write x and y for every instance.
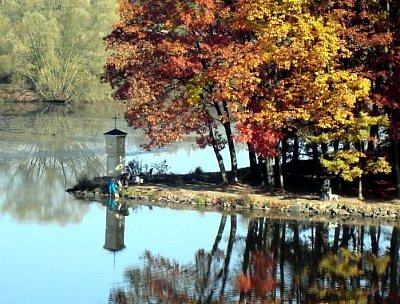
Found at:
(56, 249)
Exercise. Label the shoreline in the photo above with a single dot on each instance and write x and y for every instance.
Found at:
(243, 198)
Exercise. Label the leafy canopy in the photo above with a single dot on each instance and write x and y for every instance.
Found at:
(55, 47)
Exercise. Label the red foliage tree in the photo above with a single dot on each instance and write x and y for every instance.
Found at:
(179, 64)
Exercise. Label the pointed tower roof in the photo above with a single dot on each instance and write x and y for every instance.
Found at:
(115, 132)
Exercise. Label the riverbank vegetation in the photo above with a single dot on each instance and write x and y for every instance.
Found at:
(53, 50)
(293, 80)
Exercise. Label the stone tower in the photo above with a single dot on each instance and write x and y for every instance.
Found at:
(115, 149)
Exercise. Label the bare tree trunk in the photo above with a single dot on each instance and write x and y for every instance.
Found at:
(360, 148)
(296, 150)
(360, 195)
(255, 175)
(225, 120)
(218, 155)
(284, 152)
(278, 165)
(269, 173)
(266, 170)
(315, 160)
(324, 149)
(232, 150)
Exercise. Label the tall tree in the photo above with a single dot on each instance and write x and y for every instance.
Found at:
(367, 28)
(177, 63)
(304, 86)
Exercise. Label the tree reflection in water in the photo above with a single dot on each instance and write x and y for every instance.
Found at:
(277, 262)
(43, 159)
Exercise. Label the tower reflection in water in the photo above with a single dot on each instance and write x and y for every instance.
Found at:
(115, 226)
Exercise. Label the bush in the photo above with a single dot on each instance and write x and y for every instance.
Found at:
(84, 183)
(160, 168)
(198, 171)
(135, 167)
(199, 200)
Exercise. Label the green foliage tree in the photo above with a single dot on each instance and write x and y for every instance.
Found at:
(55, 48)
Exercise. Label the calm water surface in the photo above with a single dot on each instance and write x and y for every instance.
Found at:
(55, 249)
(58, 263)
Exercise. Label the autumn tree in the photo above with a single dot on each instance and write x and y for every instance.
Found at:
(395, 88)
(368, 30)
(355, 160)
(176, 63)
(272, 68)
(305, 86)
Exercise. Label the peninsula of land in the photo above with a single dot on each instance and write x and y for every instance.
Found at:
(184, 191)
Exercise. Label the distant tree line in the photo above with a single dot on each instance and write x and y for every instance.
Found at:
(55, 48)
(284, 77)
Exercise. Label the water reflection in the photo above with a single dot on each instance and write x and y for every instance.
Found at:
(276, 262)
(40, 158)
(31, 191)
(115, 228)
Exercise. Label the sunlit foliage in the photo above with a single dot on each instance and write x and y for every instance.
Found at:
(272, 68)
(55, 48)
